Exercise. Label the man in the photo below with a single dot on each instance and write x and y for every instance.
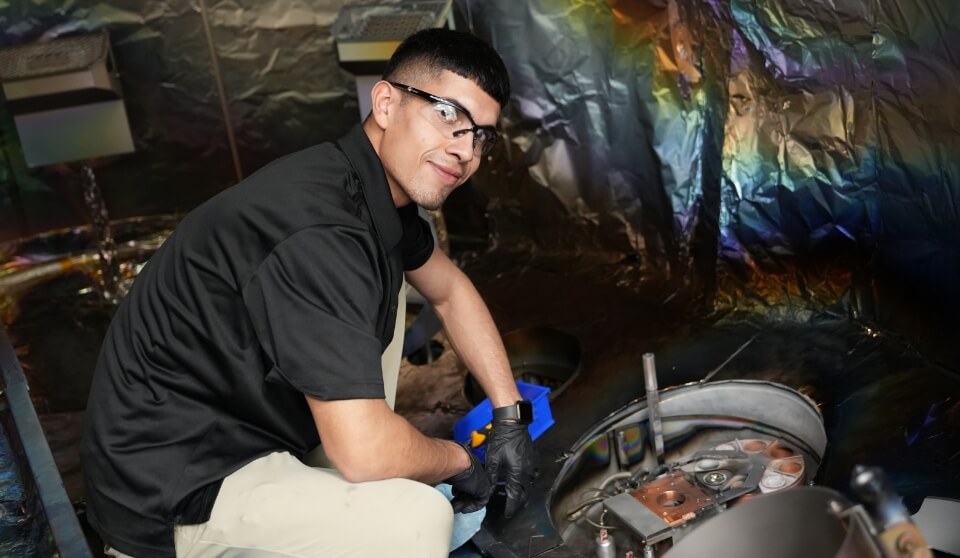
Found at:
(256, 331)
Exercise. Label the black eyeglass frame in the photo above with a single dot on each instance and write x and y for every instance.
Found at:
(491, 130)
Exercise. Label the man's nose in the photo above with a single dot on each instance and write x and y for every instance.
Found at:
(462, 147)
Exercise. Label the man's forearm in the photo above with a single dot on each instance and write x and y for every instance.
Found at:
(468, 325)
(421, 458)
(367, 441)
(470, 329)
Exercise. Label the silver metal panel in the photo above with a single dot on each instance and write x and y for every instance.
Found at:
(96, 77)
(74, 133)
(638, 517)
(789, 524)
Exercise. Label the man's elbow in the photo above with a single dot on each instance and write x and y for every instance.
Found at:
(363, 473)
(360, 466)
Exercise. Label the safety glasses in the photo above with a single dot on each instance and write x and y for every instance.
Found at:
(453, 120)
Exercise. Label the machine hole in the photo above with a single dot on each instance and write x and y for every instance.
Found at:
(791, 467)
(754, 445)
(426, 354)
(780, 452)
(539, 356)
(671, 499)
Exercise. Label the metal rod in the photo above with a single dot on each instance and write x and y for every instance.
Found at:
(653, 404)
(711, 373)
(222, 92)
(41, 478)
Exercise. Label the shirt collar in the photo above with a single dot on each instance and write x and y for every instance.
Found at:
(373, 182)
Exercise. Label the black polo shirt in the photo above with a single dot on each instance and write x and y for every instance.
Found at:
(283, 285)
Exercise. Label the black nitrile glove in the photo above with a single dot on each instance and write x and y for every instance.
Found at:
(510, 455)
(471, 488)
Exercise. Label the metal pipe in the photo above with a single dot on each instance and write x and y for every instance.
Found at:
(221, 90)
(653, 404)
(606, 548)
(15, 282)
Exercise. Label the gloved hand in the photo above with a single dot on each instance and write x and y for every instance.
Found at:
(471, 488)
(510, 455)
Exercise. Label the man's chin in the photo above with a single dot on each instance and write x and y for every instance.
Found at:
(432, 206)
(428, 201)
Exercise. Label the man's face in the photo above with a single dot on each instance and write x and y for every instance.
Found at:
(424, 161)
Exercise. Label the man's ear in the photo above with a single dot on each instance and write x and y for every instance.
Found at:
(383, 100)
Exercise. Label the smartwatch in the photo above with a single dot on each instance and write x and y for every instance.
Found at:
(521, 411)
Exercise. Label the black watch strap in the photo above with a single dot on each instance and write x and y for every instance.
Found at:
(521, 411)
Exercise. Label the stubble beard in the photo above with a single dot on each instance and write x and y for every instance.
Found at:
(425, 198)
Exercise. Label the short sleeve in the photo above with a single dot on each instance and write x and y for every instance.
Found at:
(416, 245)
(314, 302)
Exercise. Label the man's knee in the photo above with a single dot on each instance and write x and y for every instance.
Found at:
(427, 501)
(427, 518)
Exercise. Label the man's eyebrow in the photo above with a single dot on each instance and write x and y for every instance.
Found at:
(458, 105)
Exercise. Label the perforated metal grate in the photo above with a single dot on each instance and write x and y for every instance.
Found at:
(68, 54)
(385, 22)
(387, 27)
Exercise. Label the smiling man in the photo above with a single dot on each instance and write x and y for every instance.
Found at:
(270, 321)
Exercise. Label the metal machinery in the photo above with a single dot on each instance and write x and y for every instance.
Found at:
(720, 469)
(65, 98)
(720, 444)
(813, 521)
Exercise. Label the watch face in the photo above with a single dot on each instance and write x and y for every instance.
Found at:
(525, 410)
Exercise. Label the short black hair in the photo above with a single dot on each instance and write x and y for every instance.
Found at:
(433, 50)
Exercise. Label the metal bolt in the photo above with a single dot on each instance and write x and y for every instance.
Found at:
(714, 478)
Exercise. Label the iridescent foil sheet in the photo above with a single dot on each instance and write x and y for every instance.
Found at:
(613, 107)
(811, 144)
(842, 159)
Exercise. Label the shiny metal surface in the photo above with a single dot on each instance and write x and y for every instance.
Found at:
(762, 403)
(791, 524)
(739, 423)
(852, 375)
(809, 145)
(52, 307)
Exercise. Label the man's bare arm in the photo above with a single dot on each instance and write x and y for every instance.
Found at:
(367, 441)
(468, 325)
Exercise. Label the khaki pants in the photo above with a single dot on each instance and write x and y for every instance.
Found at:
(276, 506)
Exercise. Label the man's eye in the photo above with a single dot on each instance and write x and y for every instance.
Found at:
(446, 112)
